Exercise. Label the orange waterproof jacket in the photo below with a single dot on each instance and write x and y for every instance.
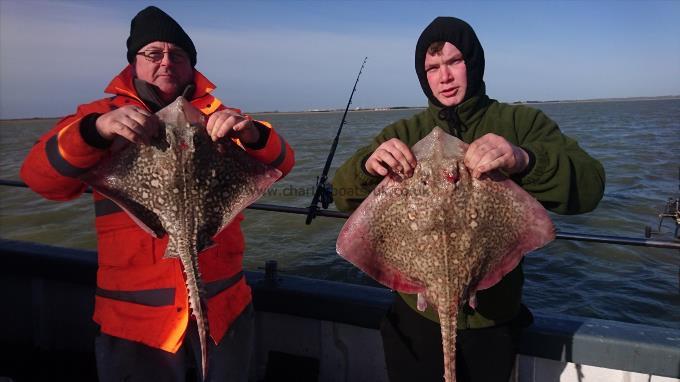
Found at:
(140, 295)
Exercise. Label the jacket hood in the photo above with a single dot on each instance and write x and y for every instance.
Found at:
(460, 34)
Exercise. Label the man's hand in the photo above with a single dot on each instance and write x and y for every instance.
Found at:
(133, 123)
(229, 123)
(394, 156)
(492, 152)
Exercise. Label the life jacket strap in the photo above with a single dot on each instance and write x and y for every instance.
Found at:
(149, 297)
(215, 287)
(165, 296)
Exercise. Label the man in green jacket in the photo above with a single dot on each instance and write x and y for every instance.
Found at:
(519, 141)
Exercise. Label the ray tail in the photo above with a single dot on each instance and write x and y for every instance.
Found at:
(448, 320)
(196, 291)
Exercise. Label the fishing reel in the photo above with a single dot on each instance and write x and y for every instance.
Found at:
(326, 197)
(324, 194)
(671, 210)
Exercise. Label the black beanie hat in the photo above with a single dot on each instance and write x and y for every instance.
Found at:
(460, 34)
(152, 24)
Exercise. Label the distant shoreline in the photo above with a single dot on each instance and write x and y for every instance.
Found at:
(659, 98)
(391, 108)
(355, 110)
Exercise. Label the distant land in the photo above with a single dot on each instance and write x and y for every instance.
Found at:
(386, 108)
(515, 102)
(604, 99)
(382, 108)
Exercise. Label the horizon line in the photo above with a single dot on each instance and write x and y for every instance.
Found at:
(388, 108)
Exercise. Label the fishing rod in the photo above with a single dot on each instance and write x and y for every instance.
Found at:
(344, 215)
(324, 191)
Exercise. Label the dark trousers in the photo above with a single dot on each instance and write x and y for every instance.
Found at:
(122, 360)
(413, 348)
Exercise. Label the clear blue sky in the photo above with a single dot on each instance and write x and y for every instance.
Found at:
(299, 55)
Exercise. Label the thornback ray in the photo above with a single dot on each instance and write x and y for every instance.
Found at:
(442, 233)
(186, 186)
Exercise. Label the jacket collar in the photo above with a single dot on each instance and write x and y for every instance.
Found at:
(469, 112)
(123, 84)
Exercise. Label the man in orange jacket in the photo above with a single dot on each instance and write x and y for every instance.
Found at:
(141, 301)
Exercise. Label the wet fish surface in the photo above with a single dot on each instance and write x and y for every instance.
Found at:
(442, 233)
(186, 186)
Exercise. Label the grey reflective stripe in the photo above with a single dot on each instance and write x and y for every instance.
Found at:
(214, 287)
(150, 297)
(165, 296)
(282, 155)
(105, 207)
(58, 162)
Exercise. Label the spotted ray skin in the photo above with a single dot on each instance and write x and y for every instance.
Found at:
(442, 233)
(187, 186)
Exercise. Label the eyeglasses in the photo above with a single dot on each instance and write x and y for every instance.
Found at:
(156, 56)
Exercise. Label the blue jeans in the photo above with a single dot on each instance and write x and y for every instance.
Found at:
(123, 360)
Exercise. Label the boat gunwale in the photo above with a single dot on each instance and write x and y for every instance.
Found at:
(603, 343)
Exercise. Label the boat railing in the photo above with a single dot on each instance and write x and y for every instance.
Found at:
(50, 292)
(560, 235)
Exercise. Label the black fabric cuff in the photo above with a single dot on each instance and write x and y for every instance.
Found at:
(365, 177)
(264, 136)
(530, 165)
(88, 130)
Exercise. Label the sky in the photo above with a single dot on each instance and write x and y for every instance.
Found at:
(303, 55)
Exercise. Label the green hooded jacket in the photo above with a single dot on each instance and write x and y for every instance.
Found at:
(560, 175)
(563, 178)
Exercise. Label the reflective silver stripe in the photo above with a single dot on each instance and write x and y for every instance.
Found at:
(58, 162)
(214, 287)
(105, 207)
(282, 155)
(149, 297)
(165, 296)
